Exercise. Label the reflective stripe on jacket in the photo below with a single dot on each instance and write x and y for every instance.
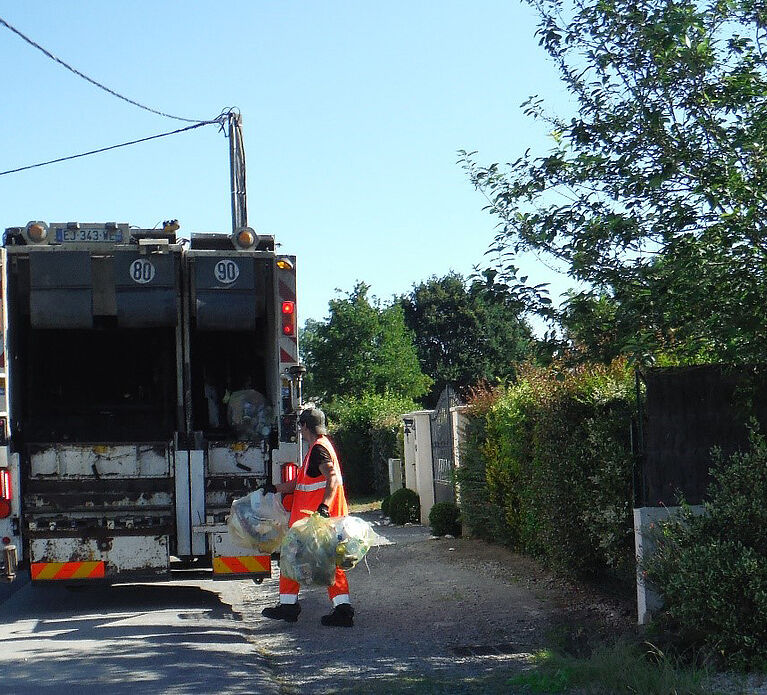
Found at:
(310, 491)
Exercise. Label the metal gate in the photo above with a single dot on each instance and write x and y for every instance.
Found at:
(443, 464)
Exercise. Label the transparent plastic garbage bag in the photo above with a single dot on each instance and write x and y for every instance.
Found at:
(308, 552)
(258, 521)
(316, 545)
(355, 537)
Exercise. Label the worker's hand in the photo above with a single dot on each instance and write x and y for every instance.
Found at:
(269, 487)
(323, 510)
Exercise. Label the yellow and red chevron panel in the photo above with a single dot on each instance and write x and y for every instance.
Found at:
(44, 571)
(243, 564)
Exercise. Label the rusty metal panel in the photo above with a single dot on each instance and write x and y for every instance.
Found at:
(240, 458)
(102, 460)
(78, 499)
(121, 554)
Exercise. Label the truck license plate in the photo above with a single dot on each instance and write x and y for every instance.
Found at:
(74, 236)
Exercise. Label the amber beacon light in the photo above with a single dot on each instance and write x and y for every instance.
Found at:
(37, 232)
(245, 238)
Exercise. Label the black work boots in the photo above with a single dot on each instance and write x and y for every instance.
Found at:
(341, 616)
(288, 612)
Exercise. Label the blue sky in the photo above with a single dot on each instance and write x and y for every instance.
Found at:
(352, 111)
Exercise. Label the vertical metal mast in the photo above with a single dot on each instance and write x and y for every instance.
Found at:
(237, 172)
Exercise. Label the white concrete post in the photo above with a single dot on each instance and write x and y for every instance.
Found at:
(649, 601)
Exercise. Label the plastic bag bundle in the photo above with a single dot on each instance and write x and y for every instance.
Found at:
(308, 552)
(355, 537)
(249, 414)
(316, 545)
(258, 521)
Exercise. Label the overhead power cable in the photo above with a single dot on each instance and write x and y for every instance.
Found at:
(111, 147)
(94, 82)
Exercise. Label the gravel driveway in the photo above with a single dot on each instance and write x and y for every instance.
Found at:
(433, 615)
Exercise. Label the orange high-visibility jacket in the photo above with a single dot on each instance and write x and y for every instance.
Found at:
(310, 491)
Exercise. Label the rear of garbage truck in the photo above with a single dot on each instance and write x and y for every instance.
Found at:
(148, 381)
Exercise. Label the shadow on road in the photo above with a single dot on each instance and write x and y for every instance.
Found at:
(127, 639)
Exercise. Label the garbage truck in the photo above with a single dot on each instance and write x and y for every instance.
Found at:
(146, 381)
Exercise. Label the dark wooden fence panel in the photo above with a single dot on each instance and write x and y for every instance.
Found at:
(687, 412)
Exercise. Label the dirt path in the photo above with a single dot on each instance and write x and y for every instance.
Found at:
(445, 616)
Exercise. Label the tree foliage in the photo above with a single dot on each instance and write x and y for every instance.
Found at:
(362, 348)
(368, 432)
(466, 333)
(654, 194)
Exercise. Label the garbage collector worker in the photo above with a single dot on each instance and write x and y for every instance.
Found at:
(318, 486)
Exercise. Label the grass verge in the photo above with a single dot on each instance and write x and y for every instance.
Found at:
(615, 669)
(623, 668)
(364, 504)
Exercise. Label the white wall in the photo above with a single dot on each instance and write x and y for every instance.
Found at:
(418, 463)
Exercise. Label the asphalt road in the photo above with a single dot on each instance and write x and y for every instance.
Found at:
(8, 588)
(433, 616)
(156, 638)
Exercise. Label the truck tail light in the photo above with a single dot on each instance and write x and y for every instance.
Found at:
(289, 318)
(289, 472)
(5, 493)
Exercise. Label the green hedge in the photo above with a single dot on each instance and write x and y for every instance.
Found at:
(712, 569)
(546, 468)
(482, 514)
(367, 432)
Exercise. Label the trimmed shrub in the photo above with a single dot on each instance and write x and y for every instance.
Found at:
(712, 569)
(404, 506)
(385, 502)
(444, 519)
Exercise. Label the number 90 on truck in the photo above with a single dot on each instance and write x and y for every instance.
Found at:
(147, 382)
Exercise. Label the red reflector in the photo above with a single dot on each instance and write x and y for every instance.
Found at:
(5, 493)
(288, 307)
(6, 540)
(5, 484)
